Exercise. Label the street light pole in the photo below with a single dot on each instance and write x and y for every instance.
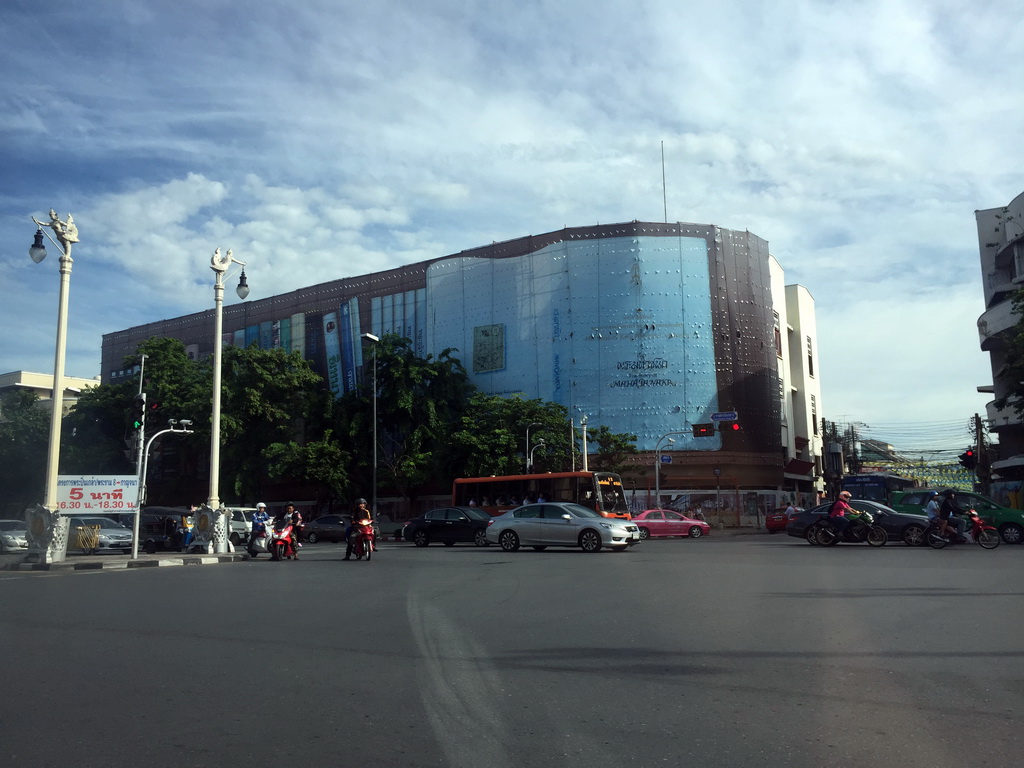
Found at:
(657, 463)
(539, 444)
(219, 264)
(583, 423)
(373, 498)
(529, 455)
(55, 534)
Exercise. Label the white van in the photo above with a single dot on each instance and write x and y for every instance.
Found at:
(241, 524)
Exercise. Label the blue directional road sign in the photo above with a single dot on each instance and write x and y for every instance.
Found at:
(666, 459)
(725, 416)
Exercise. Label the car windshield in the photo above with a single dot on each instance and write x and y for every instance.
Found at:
(474, 514)
(12, 525)
(102, 522)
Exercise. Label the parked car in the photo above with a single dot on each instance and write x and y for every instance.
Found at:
(1009, 521)
(778, 519)
(448, 525)
(326, 528)
(13, 535)
(241, 524)
(899, 526)
(666, 522)
(98, 534)
(561, 525)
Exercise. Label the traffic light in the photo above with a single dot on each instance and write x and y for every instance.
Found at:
(703, 430)
(968, 459)
(728, 426)
(139, 411)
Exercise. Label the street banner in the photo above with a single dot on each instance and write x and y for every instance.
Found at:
(97, 494)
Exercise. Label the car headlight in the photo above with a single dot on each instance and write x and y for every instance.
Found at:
(606, 525)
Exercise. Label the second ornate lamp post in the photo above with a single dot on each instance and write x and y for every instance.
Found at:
(219, 264)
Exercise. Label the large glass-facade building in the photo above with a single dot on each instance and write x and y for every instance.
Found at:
(646, 328)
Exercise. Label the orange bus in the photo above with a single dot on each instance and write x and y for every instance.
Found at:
(599, 491)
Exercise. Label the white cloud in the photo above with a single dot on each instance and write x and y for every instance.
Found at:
(325, 140)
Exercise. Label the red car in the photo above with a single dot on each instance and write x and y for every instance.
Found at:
(665, 522)
(777, 520)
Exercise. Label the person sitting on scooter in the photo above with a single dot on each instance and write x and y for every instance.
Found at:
(948, 514)
(260, 518)
(932, 510)
(837, 514)
(359, 513)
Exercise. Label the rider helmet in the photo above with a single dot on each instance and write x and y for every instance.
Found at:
(932, 494)
(360, 501)
(261, 505)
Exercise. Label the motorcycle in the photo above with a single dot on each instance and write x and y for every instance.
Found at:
(365, 539)
(987, 536)
(862, 528)
(259, 541)
(280, 541)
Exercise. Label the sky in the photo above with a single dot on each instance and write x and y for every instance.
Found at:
(333, 138)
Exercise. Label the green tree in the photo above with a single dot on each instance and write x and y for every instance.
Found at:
(267, 396)
(614, 450)
(24, 440)
(96, 435)
(491, 438)
(419, 402)
(321, 463)
(1012, 370)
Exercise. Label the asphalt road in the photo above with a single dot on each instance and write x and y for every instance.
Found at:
(725, 651)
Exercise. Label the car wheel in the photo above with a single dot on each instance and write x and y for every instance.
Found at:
(150, 547)
(644, 534)
(480, 538)
(312, 537)
(913, 535)
(420, 539)
(811, 534)
(509, 541)
(696, 532)
(233, 538)
(1012, 533)
(540, 549)
(590, 541)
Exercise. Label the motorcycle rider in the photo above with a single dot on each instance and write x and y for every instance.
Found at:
(948, 513)
(932, 509)
(290, 516)
(260, 518)
(359, 513)
(837, 514)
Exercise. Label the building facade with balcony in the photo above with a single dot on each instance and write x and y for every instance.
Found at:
(1001, 245)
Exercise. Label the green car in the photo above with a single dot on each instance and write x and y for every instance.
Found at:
(1010, 522)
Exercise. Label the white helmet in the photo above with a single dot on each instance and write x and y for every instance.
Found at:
(261, 505)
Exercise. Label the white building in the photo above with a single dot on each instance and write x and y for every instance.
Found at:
(1001, 244)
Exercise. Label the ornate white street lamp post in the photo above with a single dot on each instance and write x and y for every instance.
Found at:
(212, 509)
(48, 531)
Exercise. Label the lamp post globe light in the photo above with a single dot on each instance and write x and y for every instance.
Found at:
(48, 531)
(376, 340)
(212, 510)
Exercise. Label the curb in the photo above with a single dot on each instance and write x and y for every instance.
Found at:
(122, 564)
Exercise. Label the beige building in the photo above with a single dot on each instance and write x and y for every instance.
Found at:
(42, 385)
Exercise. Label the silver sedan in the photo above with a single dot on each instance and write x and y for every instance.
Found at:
(560, 525)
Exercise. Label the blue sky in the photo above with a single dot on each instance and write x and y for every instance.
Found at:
(334, 138)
